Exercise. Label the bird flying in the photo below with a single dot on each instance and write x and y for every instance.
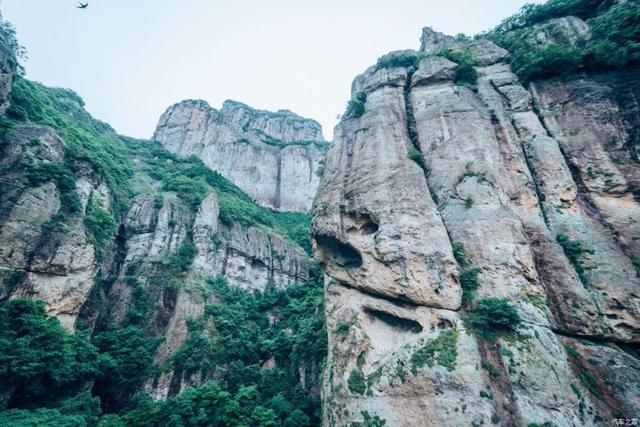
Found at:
(82, 5)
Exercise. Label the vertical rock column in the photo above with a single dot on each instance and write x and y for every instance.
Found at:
(392, 280)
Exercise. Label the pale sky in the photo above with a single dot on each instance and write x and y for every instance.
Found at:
(131, 59)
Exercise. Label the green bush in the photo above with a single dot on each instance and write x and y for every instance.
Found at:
(556, 60)
(245, 337)
(441, 350)
(402, 58)
(575, 250)
(180, 261)
(459, 253)
(356, 382)
(100, 226)
(491, 316)
(417, 156)
(355, 106)
(40, 418)
(531, 14)
(466, 74)
(469, 280)
(491, 368)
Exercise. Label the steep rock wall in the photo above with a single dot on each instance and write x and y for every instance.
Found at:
(151, 235)
(44, 250)
(273, 157)
(437, 182)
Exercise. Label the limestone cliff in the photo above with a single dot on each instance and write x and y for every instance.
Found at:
(444, 196)
(274, 157)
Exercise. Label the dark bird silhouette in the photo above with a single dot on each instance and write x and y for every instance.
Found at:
(82, 5)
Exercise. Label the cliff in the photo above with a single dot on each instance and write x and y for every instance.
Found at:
(478, 241)
(139, 256)
(273, 157)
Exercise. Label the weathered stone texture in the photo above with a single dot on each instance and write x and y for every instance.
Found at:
(507, 170)
(273, 157)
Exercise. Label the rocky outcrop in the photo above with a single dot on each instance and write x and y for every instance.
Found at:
(530, 195)
(44, 250)
(273, 157)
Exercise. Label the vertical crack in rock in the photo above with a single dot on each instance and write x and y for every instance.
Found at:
(278, 194)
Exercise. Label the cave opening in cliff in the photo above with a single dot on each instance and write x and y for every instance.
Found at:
(396, 322)
(332, 251)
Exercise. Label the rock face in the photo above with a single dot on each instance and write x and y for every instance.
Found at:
(273, 157)
(38, 258)
(531, 191)
(153, 232)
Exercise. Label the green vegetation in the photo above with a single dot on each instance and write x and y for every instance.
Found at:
(492, 316)
(46, 365)
(99, 224)
(86, 139)
(417, 156)
(532, 14)
(555, 60)
(20, 52)
(369, 421)
(469, 276)
(38, 358)
(355, 106)
(62, 176)
(636, 264)
(491, 368)
(356, 381)
(127, 362)
(468, 202)
(459, 253)
(466, 74)
(245, 338)
(613, 44)
(575, 250)
(400, 58)
(586, 377)
(441, 350)
(538, 301)
(469, 280)
(486, 394)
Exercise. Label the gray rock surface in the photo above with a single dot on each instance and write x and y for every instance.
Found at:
(483, 50)
(273, 157)
(37, 261)
(506, 171)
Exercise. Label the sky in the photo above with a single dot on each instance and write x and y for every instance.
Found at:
(131, 59)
